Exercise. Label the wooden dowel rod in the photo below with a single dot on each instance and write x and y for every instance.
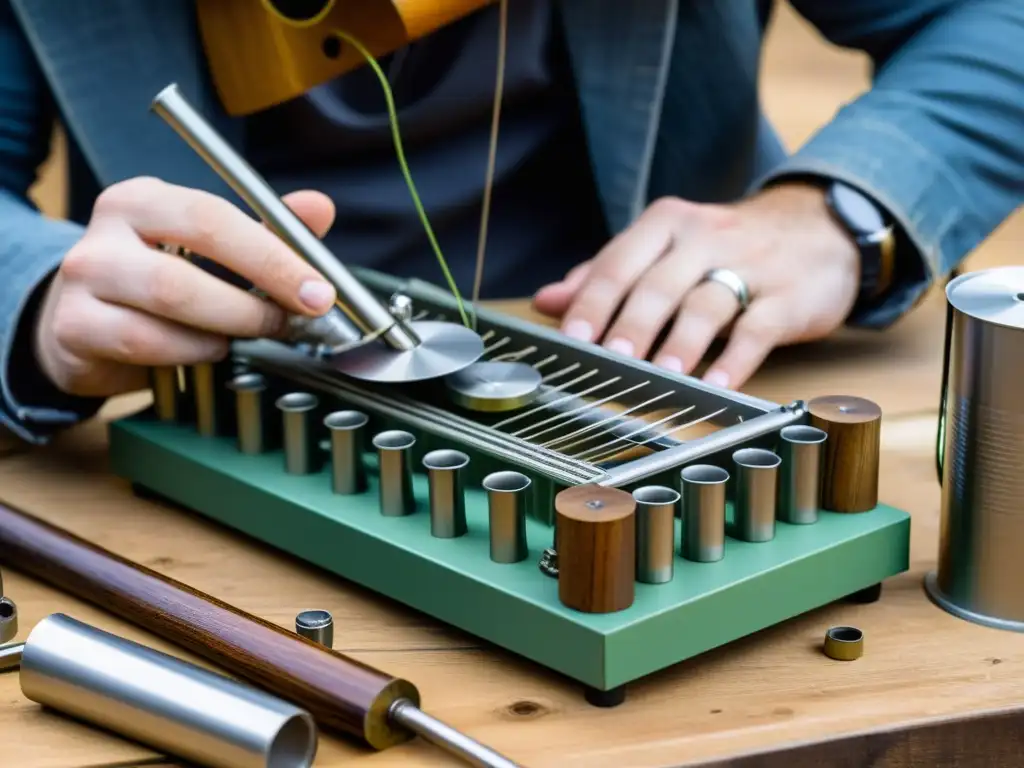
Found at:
(341, 693)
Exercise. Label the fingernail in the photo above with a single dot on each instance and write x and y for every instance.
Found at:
(579, 329)
(717, 379)
(670, 363)
(622, 346)
(317, 295)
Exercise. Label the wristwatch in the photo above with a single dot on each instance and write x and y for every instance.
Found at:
(873, 231)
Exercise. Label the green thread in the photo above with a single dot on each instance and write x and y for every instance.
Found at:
(393, 116)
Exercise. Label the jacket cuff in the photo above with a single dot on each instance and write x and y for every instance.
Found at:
(33, 409)
(914, 186)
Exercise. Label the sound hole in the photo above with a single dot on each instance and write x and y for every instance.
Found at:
(300, 10)
(331, 46)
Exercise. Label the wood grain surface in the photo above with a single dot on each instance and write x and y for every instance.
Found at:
(851, 452)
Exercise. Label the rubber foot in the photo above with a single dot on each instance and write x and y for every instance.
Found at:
(867, 595)
(610, 698)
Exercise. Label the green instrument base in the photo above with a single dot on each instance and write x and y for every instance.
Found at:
(515, 606)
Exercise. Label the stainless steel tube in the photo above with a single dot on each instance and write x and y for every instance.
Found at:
(800, 448)
(8, 616)
(447, 738)
(161, 701)
(209, 381)
(367, 312)
(250, 408)
(447, 495)
(757, 475)
(164, 382)
(394, 451)
(348, 440)
(655, 533)
(317, 625)
(703, 512)
(507, 497)
(301, 452)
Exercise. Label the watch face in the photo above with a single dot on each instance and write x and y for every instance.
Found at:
(859, 213)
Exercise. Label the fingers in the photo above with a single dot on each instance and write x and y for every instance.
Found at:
(554, 300)
(617, 267)
(134, 275)
(91, 329)
(705, 312)
(314, 208)
(756, 333)
(211, 226)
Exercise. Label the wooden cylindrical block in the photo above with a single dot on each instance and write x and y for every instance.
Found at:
(596, 548)
(851, 453)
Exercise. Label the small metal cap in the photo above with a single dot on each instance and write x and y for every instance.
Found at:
(8, 620)
(317, 625)
(844, 643)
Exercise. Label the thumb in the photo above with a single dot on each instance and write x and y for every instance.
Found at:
(554, 299)
(314, 208)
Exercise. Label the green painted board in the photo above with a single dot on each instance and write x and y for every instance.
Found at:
(514, 606)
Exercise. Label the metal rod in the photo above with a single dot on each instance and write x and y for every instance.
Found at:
(348, 437)
(703, 511)
(559, 401)
(577, 412)
(597, 449)
(10, 656)
(366, 311)
(447, 738)
(614, 416)
(800, 448)
(692, 450)
(507, 496)
(655, 533)
(301, 453)
(250, 406)
(756, 492)
(447, 495)
(394, 450)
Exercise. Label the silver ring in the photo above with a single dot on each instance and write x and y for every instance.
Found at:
(733, 282)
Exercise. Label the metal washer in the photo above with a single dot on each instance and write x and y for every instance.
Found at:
(494, 386)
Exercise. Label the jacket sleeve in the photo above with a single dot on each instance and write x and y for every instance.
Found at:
(937, 138)
(31, 245)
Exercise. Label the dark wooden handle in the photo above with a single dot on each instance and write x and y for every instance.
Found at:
(341, 693)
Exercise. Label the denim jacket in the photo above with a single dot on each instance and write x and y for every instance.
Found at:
(668, 91)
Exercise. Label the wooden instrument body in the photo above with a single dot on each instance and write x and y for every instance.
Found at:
(258, 60)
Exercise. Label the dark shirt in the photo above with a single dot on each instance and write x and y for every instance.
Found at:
(544, 214)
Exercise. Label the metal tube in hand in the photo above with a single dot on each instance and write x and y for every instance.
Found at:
(367, 312)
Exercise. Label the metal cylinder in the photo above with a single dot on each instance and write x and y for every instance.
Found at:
(348, 439)
(317, 625)
(301, 452)
(655, 533)
(365, 309)
(703, 512)
(164, 382)
(8, 616)
(981, 452)
(800, 448)
(161, 701)
(250, 409)
(209, 381)
(507, 494)
(394, 453)
(447, 495)
(757, 476)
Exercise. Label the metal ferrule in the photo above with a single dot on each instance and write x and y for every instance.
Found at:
(703, 512)
(394, 452)
(442, 735)
(800, 448)
(348, 440)
(757, 472)
(301, 452)
(333, 329)
(250, 411)
(447, 495)
(363, 307)
(317, 625)
(507, 496)
(163, 702)
(655, 533)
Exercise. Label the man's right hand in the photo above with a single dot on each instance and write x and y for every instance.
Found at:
(118, 304)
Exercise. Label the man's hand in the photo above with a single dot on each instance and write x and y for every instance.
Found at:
(801, 268)
(118, 304)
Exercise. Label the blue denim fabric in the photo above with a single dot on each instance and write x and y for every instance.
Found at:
(669, 95)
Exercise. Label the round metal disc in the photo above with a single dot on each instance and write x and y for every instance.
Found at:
(994, 296)
(493, 386)
(444, 348)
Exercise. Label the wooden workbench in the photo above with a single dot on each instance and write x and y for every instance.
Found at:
(768, 690)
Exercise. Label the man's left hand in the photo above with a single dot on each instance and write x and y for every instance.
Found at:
(801, 269)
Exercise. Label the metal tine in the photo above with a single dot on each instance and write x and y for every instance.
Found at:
(487, 335)
(615, 417)
(545, 361)
(621, 438)
(498, 345)
(563, 371)
(421, 314)
(576, 412)
(515, 356)
(570, 396)
(602, 456)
